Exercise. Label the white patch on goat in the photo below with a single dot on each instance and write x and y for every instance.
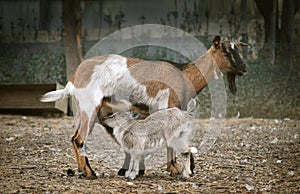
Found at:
(83, 150)
(113, 77)
(217, 73)
(111, 74)
(70, 87)
(106, 78)
(232, 45)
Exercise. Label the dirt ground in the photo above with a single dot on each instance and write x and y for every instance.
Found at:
(250, 155)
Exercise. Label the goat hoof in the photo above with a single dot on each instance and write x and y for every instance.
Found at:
(174, 170)
(185, 175)
(70, 172)
(183, 178)
(122, 172)
(174, 173)
(141, 172)
(92, 176)
(131, 177)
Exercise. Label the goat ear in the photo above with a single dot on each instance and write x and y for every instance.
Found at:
(216, 41)
(191, 106)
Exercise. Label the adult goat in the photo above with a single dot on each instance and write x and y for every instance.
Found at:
(120, 77)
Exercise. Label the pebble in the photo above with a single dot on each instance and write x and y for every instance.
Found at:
(10, 139)
(278, 161)
(249, 187)
(130, 183)
(275, 140)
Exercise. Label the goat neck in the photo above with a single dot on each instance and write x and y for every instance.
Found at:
(202, 70)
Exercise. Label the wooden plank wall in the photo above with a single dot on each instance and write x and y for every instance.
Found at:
(24, 98)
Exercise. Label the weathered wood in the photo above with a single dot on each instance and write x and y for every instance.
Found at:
(24, 98)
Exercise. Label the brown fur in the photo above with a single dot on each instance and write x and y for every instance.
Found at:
(219, 57)
(85, 70)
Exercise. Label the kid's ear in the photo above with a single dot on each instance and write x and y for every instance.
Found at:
(216, 41)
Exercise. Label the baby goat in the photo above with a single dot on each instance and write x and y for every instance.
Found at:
(171, 127)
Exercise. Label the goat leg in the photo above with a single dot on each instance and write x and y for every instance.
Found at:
(192, 163)
(76, 146)
(133, 170)
(79, 146)
(126, 164)
(172, 165)
(142, 165)
(186, 171)
(82, 160)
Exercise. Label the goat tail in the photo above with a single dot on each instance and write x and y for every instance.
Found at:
(57, 95)
(54, 96)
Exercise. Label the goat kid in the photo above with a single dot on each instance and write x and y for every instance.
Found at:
(117, 76)
(172, 127)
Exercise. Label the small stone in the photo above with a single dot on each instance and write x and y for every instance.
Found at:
(249, 187)
(195, 186)
(244, 160)
(159, 187)
(130, 183)
(10, 139)
(278, 121)
(278, 161)
(275, 140)
(291, 173)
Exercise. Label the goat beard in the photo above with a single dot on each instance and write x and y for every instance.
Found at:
(231, 82)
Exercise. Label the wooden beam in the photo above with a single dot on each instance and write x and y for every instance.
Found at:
(25, 98)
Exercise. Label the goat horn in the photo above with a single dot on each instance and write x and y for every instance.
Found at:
(243, 44)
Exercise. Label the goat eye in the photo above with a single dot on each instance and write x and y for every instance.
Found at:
(135, 115)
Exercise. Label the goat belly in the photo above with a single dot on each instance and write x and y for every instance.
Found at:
(134, 142)
(152, 144)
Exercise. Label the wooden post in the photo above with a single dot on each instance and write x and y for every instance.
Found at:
(72, 37)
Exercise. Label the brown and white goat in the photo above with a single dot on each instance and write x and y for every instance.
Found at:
(111, 76)
(139, 137)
